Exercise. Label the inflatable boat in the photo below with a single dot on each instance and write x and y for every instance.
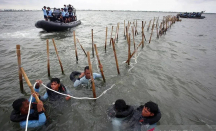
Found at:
(194, 15)
(56, 26)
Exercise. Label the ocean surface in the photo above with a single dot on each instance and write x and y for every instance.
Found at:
(177, 71)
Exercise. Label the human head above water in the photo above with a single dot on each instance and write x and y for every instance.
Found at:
(150, 109)
(55, 84)
(120, 105)
(21, 105)
(87, 72)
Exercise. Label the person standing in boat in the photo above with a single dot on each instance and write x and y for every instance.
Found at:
(50, 17)
(66, 17)
(45, 13)
(65, 8)
(62, 17)
(70, 11)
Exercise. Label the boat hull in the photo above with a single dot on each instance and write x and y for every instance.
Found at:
(202, 17)
(56, 26)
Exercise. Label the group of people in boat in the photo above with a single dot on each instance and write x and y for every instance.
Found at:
(191, 15)
(64, 14)
(123, 116)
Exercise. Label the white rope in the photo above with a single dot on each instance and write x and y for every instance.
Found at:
(86, 98)
(29, 111)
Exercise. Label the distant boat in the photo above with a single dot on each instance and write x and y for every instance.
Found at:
(194, 15)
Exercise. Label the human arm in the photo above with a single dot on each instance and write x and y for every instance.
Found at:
(78, 80)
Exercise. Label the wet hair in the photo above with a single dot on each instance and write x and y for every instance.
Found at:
(153, 107)
(17, 104)
(120, 105)
(57, 80)
(86, 68)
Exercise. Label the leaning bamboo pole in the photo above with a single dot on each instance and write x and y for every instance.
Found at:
(128, 60)
(149, 25)
(48, 60)
(19, 67)
(115, 56)
(29, 84)
(75, 46)
(81, 47)
(99, 63)
(58, 57)
(92, 79)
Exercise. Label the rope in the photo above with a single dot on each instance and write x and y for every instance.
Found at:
(29, 110)
(78, 98)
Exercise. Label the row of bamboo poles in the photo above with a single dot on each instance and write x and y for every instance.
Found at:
(164, 25)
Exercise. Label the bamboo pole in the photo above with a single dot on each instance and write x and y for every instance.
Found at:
(75, 45)
(151, 34)
(132, 27)
(142, 35)
(115, 56)
(31, 88)
(92, 44)
(149, 25)
(136, 32)
(118, 30)
(106, 39)
(124, 27)
(19, 66)
(92, 79)
(58, 57)
(82, 47)
(111, 35)
(129, 53)
(101, 69)
(48, 61)
(29, 84)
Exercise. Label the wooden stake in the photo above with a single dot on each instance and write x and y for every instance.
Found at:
(111, 35)
(142, 35)
(149, 25)
(92, 44)
(82, 47)
(75, 45)
(101, 69)
(151, 35)
(133, 36)
(92, 79)
(58, 57)
(106, 39)
(19, 66)
(48, 61)
(129, 53)
(124, 27)
(115, 56)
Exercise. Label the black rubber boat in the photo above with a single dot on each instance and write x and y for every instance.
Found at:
(56, 26)
(194, 15)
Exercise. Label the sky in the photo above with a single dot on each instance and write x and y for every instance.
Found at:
(134, 5)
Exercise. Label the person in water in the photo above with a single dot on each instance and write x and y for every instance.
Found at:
(120, 113)
(141, 118)
(85, 76)
(55, 85)
(45, 13)
(20, 110)
(146, 116)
